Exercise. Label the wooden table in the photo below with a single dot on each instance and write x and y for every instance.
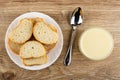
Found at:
(102, 13)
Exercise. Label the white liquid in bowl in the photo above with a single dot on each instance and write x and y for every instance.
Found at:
(96, 43)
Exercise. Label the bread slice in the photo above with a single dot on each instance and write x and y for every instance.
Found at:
(22, 32)
(14, 46)
(49, 47)
(52, 27)
(35, 61)
(42, 20)
(45, 33)
(37, 19)
(32, 49)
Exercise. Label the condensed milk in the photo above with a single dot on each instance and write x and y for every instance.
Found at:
(96, 43)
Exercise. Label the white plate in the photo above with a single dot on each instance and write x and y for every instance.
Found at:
(52, 55)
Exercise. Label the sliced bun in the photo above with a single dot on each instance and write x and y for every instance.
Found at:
(14, 46)
(49, 47)
(45, 33)
(22, 32)
(35, 61)
(32, 49)
(38, 19)
(52, 27)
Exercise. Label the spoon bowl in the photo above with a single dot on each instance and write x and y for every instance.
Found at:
(76, 18)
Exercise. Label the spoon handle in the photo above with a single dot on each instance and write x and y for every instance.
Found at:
(68, 56)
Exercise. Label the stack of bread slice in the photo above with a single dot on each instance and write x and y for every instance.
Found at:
(32, 39)
(33, 53)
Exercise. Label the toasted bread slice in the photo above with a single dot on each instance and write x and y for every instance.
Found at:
(32, 49)
(49, 47)
(22, 32)
(14, 46)
(37, 19)
(35, 61)
(43, 33)
(52, 27)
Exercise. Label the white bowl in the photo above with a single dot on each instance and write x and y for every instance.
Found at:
(52, 55)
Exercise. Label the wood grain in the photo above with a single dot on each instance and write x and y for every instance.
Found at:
(102, 13)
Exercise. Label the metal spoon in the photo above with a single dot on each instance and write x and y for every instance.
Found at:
(76, 19)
